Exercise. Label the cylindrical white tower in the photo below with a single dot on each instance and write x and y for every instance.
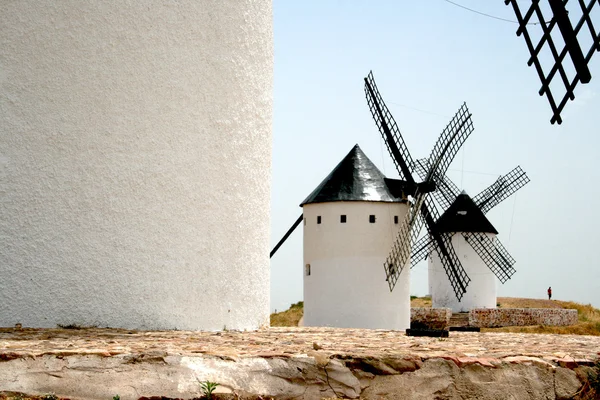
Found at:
(350, 223)
(463, 215)
(135, 142)
(481, 291)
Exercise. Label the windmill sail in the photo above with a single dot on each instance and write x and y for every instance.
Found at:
(287, 235)
(421, 250)
(422, 210)
(503, 188)
(446, 189)
(556, 73)
(388, 128)
(492, 253)
(450, 141)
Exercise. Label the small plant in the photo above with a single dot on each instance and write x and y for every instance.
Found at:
(50, 396)
(116, 397)
(208, 388)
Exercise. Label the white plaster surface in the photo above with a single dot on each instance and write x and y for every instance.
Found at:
(481, 291)
(347, 286)
(135, 153)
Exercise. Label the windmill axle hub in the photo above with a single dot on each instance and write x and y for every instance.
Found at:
(426, 187)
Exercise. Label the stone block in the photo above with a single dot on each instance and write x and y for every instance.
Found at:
(498, 317)
(430, 318)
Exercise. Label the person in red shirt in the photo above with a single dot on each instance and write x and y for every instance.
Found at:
(550, 293)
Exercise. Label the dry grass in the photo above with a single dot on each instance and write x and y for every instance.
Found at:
(589, 317)
(292, 316)
(420, 301)
(289, 317)
(518, 302)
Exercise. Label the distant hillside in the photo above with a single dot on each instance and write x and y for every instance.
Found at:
(289, 317)
(589, 317)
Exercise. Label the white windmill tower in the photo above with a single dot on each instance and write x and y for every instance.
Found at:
(135, 142)
(474, 240)
(350, 221)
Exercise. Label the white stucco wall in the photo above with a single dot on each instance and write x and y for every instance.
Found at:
(346, 286)
(481, 291)
(135, 148)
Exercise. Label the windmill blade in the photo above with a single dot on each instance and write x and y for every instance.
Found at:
(452, 266)
(449, 142)
(407, 235)
(492, 253)
(490, 192)
(287, 234)
(503, 188)
(421, 167)
(388, 129)
(421, 250)
(443, 245)
(505, 259)
(394, 264)
(446, 191)
(444, 151)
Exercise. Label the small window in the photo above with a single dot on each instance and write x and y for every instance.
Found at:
(372, 219)
(343, 219)
(318, 219)
(304, 221)
(307, 269)
(395, 219)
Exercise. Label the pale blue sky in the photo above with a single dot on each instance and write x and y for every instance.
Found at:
(432, 56)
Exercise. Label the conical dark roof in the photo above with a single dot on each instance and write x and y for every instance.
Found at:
(464, 216)
(355, 178)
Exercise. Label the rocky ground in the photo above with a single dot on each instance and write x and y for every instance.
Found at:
(309, 363)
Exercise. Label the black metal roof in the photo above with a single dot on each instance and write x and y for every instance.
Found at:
(355, 178)
(463, 215)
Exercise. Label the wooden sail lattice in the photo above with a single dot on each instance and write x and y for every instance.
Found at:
(559, 72)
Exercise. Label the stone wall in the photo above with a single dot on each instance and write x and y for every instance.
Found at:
(491, 318)
(430, 318)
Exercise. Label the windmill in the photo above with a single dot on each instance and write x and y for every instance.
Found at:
(422, 209)
(349, 221)
(464, 219)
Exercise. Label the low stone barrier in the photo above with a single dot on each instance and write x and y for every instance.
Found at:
(494, 318)
(430, 318)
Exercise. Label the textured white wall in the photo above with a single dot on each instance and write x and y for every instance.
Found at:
(347, 286)
(135, 148)
(481, 291)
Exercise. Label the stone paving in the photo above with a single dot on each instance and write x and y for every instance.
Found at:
(286, 342)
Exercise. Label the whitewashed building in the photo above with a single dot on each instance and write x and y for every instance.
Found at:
(350, 222)
(463, 215)
(135, 156)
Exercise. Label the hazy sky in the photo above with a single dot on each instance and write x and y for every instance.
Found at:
(428, 58)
